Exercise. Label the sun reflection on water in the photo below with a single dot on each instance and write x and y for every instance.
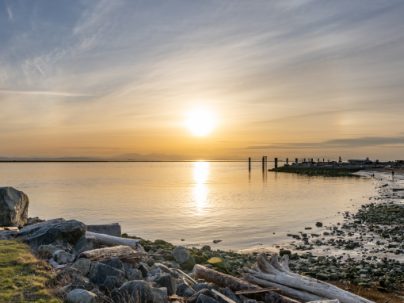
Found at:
(201, 173)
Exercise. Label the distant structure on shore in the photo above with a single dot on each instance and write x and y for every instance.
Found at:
(363, 163)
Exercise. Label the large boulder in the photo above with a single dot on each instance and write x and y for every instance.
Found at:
(113, 229)
(13, 207)
(183, 258)
(53, 230)
(142, 291)
(99, 272)
(81, 296)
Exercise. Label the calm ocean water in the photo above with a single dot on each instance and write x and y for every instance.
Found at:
(195, 201)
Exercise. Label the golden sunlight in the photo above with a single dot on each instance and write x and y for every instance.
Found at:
(200, 122)
(201, 173)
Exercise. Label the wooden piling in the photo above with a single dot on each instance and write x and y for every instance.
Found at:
(276, 162)
(264, 162)
(287, 161)
(249, 163)
(296, 160)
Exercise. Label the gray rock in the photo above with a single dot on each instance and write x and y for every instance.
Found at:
(141, 291)
(53, 230)
(154, 272)
(184, 258)
(85, 243)
(135, 274)
(81, 296)
(116, 263)
(144, 270)
(99, 272)
(206, 248)
(99, 294)
(13, 207)
(205, 292)
(83, 266)
(150, 261)
(167, 281)
(62, 257)
(183, 290)
(230, 294)
(205, 299)
(35, 220)
(113, 229)
(8, 234)
(127, 268)
(76, 285)
(112, 283)
(69, 275)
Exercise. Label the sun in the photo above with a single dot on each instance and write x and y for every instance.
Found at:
(200, 122)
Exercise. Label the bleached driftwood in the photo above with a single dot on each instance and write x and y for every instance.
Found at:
(236, 284)
(115, 241)
(296, 294)
(106, 252)
(272, 271)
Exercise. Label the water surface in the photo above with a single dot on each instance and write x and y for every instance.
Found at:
(194, 201)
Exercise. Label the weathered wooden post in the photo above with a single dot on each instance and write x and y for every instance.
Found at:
(249, 163)
(287, 161)
(296, 160)
(323, 160)
(276, 162)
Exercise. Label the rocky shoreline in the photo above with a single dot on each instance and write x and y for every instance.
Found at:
(355, 253)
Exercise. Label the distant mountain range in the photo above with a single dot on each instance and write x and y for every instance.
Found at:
(124, 157)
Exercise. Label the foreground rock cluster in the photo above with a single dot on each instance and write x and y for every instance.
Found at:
(90, 263)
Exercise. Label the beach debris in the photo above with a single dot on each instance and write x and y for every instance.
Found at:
(319, 224)
(115, 241)
(236, 284)
(271, 273)
(13, 207)
(107, 252)
(217, 241)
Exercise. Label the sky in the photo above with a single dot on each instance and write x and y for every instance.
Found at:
(295, 78)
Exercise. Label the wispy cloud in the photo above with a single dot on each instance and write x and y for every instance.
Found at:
(10, 14)
(46, 93)
(91, 147)
(338, 143)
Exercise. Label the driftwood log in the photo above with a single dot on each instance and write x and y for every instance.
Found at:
(106, 252)
(273, 273)
(115, 241)
(235, 284)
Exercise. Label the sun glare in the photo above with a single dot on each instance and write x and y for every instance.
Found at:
(200, 122)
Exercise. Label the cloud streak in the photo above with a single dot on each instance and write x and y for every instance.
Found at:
(45, 93)
(338, 143)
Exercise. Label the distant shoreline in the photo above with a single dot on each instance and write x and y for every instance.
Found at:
(123, 161)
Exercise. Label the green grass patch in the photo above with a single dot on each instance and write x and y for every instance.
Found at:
(318, 171)
(23, 278)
